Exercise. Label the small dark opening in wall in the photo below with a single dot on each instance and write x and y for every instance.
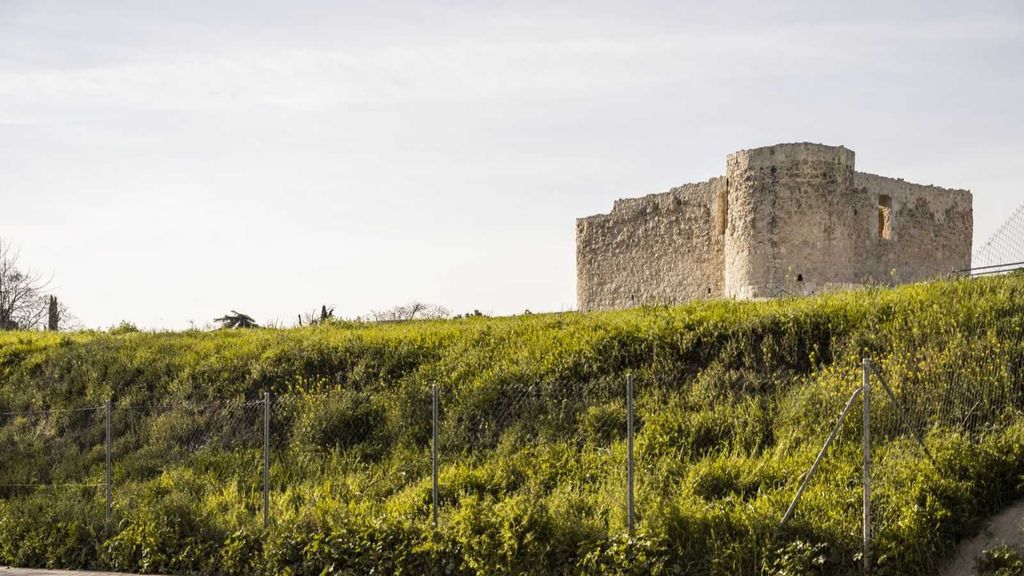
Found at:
(709, 291)
(799, 277)
(885, 217)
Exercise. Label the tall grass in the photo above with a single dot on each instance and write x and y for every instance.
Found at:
(733, 401)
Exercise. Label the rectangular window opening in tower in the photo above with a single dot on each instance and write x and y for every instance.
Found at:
(722, 210)
(885, 217)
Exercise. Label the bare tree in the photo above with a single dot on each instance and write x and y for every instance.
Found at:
(410, 311)
(23, 306)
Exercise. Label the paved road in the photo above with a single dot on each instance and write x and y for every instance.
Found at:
(7, 571)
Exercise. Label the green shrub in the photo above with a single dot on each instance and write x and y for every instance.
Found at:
(124, 327)
(799, 558)
(342, 420)
(59, 527)
(1000, 561)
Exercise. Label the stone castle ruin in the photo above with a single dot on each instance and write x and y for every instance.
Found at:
(785, 219)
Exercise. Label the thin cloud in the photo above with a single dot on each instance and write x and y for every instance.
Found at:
(468, 71)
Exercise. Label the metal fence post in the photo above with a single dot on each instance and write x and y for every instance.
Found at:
(866, 397)
(630, 510)
(266, 459)
(821, 455)
(433, 450)
(108, 496)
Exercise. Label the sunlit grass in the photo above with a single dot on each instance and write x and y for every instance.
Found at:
(733, 401)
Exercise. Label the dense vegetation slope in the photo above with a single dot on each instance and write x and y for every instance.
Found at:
(733, 402)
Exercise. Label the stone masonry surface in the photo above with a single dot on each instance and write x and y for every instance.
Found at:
(785, 219)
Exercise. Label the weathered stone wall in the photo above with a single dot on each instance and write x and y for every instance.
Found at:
(659, 249)
(785, 219)
(931, 230)
(790, 227)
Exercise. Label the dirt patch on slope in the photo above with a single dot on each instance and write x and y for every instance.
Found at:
(1005, 528)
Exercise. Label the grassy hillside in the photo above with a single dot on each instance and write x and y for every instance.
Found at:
(733, 402)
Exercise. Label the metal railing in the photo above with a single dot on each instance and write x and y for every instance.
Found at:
(987, 270)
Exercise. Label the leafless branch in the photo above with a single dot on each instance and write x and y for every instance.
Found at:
(410, 311)
(23, 304)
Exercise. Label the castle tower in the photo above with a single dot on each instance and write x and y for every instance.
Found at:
(784, 220)
(792, 222)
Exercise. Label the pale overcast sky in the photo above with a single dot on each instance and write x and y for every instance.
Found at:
(169, 161)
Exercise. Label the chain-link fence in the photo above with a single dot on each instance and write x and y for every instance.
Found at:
(936, 401)
(270, 455)
(600, 454)
(563, 442)
(49, 449)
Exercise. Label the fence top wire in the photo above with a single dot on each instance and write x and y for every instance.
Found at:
(49, 411)
(213, 404)
(55, 485)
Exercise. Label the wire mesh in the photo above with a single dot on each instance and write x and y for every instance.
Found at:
(1006, 244)
(347, 448)
(172, 433)
(558, 444)
(199, 450)
(961, 375)
(943, 385)
(52, 454)
(955, 382)
(51, 450)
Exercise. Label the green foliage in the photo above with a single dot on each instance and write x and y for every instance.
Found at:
(799, 558)
(341, 420)
(733, 400)
(125, 327)
(1000, 561)
(51, 529)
